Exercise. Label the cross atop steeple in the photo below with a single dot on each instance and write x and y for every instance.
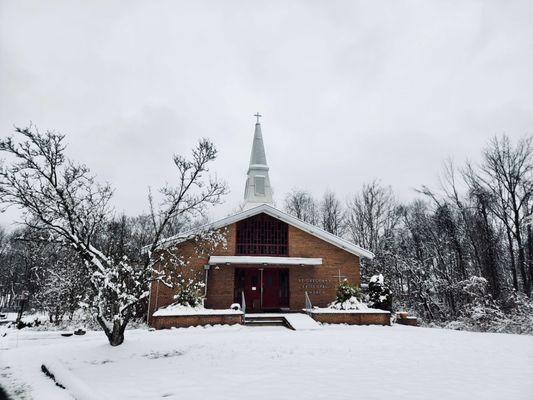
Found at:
(257, 115)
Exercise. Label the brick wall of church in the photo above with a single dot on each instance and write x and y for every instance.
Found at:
(319, 281)
(221, 278)
(220, 290)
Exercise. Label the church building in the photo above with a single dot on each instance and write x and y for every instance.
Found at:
(271, 261)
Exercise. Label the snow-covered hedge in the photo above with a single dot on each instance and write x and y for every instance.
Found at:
(512, 315)
(80, 319)
(352, 303)
(348, 298)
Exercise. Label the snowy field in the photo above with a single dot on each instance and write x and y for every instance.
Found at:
(335, 362)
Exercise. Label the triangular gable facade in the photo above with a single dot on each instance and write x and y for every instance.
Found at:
(278, 214)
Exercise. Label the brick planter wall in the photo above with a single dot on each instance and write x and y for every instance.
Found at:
(353, 318)
(185, 321)
(411, 321)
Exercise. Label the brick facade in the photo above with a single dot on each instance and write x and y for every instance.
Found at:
(367, 318)
(319, 281)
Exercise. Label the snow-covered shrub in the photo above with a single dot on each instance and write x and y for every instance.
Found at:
(379, 294)
(475, 286)
(81, 318)
(514, 314)
(28, 324)
(189, 292)
(348, 298)
(353, 303)
(479, 311)
(345, 291)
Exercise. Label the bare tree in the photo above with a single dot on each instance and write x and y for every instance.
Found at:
(371, 216)
(332, 214)
(62, 198)
(486, 234)
(506, 174)
(302, 205)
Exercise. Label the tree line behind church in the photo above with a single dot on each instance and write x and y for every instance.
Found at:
(459, 254)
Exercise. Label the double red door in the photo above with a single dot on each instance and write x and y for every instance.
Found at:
(264, 289)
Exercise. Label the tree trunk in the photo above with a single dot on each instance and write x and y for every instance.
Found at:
(511, 255)
(488, 245)
(522, 264)
(115, 335)
(21, 310)
(519, 243)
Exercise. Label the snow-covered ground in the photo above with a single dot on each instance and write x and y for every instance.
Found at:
(336, 362)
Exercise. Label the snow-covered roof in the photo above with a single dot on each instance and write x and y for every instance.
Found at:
(282, 216)
(264, 260)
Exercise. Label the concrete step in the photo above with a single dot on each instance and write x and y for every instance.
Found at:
(265, 321)
(295, 321)
(266, 318)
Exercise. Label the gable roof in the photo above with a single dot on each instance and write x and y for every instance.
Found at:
(282, 216)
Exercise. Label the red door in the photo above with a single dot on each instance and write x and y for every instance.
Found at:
(274, 283)
(252, 289)
(271, 289)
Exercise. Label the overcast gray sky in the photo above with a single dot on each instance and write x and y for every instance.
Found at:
(349, 90)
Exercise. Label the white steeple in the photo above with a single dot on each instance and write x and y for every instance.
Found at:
(258, 190)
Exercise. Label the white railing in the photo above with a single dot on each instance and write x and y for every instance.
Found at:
(243, 305)
(308, 305)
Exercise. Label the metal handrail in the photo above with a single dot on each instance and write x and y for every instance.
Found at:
(243, 306)
(308, 305)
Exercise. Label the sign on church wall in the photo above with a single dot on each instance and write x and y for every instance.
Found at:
(314, 286)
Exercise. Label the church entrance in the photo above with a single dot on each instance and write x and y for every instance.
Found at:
(265, 289)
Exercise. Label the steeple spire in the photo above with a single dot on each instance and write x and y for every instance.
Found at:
(258, 190)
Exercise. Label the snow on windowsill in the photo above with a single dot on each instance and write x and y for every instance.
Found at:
(179, 310)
